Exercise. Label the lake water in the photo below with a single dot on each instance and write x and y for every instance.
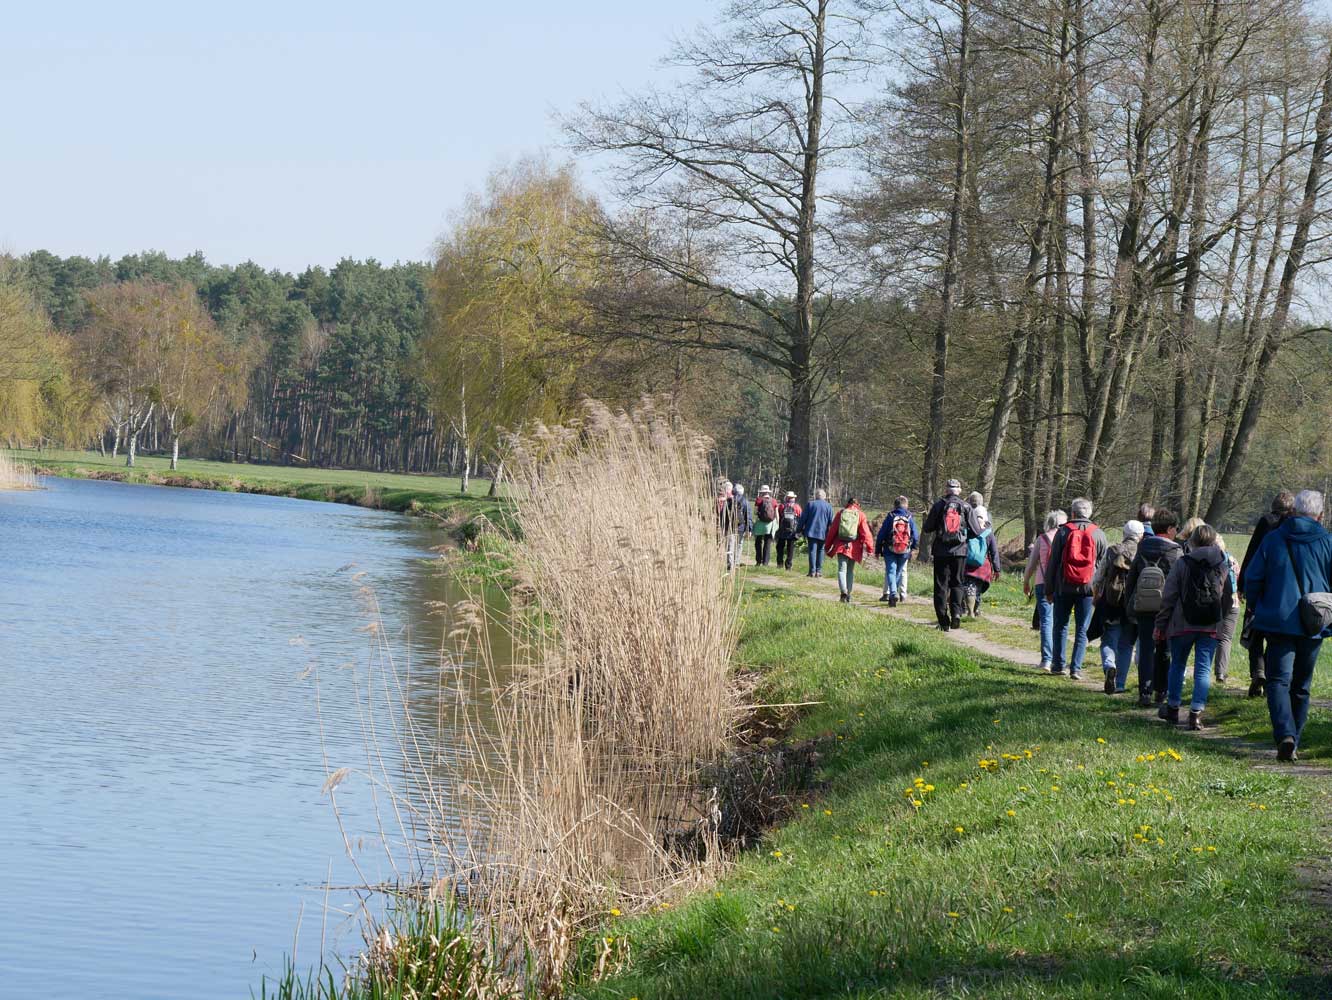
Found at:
(162, 826)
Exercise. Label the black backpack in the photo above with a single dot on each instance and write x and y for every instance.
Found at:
(790, 522)
(952, 522)
(1203, 592)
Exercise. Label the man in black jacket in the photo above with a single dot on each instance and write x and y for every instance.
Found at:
(1158, 550)
(1283, 505)
(952, 522)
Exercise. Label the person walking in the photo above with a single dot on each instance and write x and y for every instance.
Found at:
(896, 540)
(1282, 507)
(814, 525)
(952, 523)
(1293, 562)
(1109, 590)
(727, 522)
(788, 529)
(1033, 581)
(765, 525)
(1225, 633)
(1193, 605)
(744, 521)
(850, 541)
(1156, 556)
(982, 562)
(1078, 547)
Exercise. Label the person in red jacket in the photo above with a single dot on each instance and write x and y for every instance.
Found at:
(850, 540)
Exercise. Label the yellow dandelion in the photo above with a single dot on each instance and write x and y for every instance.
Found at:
(952, 915)
(827, 812)
(776, 854)
(1008, 909)
(929, 788)
(1211, 849)
(614, 912)
(1012, 812)
(1100, 739)
(958, 829)
(874, 892)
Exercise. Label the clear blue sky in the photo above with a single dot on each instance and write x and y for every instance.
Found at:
(291, 132)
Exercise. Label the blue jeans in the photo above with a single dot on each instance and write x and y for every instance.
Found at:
(846, 573)
(894, 573)
(815, 554)
(1117, 641)
(1204, 649)
(1081, 609)
(1290, 666)
(1045, 618)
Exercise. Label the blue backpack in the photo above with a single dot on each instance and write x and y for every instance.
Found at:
(976, 550)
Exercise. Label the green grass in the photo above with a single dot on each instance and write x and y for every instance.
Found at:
(1023, 878)
(382, 490)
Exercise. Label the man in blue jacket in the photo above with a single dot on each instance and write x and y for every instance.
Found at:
(897, 539)
(814, 523)
(1294, 559)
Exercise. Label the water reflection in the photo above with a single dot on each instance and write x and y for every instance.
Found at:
(178, 669)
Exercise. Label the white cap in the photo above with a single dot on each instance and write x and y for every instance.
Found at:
(1133, 529)
(765, 489)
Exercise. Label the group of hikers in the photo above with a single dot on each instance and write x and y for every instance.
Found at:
(1166, 591)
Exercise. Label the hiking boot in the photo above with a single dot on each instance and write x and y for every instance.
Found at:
(1158, 697)
(1056, 671)
(1110, 681)
(845, 598)
(955, 622)
(887, 600)
(1196, 722)
(1075, 675)
(1144, 700)
(1044, 665)
(1286, 749)
(1168, 714)
(1256, 687)
(892, 600)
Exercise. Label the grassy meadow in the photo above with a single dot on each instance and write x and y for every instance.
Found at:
(440, 495)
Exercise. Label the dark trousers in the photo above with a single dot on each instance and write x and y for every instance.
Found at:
(762, 549)
(949, 577)
(785, 551)
(1153, 658)
(1257, 659)
(1290, 669)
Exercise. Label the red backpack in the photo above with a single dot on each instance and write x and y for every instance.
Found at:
(1079, 564)
(953, 532)
(900, 536)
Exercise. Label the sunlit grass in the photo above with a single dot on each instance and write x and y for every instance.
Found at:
(986, 831)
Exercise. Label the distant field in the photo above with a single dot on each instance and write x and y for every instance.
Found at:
(380, 490)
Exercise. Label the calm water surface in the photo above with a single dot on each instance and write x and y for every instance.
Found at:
(162, 827)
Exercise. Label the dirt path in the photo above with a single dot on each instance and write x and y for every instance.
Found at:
(1261, 756)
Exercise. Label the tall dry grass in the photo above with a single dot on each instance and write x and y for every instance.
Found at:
(16, 475)
(604, 706)
(592, 770)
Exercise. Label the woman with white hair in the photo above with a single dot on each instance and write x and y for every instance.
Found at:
(1038, 559)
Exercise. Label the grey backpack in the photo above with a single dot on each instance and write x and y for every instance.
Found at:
(1151, 586)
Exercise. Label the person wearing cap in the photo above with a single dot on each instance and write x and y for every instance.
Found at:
(1119, 632)
(765, 525)
(788, 529)
(896, 540)
(951, 522)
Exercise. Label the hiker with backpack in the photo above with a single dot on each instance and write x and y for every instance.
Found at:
(1077, 549)
(814, 525)
(1033, 581)
(765, 525)
(1156, 556)
(1109, 591)
(896, 540)
(951, 522)
(1287, 583)
(788, 529)
(1283, 506)
(850, 541)
(744, 521)
(1193, 605)
(982, 562)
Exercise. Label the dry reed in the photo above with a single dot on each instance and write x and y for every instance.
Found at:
(587, 755)
(620, 700)
(16, 475)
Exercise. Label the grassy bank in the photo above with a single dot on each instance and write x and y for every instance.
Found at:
(439, 495)
(985, 831)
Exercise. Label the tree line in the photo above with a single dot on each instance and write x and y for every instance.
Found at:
(1053, 247)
